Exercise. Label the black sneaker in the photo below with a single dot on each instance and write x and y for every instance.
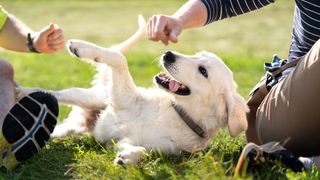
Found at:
(253, 155)
(27, 127)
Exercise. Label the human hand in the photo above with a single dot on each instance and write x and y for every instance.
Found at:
(49, 40)
(164, 28)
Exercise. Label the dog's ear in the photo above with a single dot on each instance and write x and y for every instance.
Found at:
(236, 109)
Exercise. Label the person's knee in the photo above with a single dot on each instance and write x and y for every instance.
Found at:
(6, 70)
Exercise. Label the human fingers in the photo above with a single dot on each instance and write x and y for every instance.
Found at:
(165, 40)
(55, 42)
(174, 33)
(155, 27)
(57, 47)
(46, 31)
(151, 25)
(57, 34)
(160, 28)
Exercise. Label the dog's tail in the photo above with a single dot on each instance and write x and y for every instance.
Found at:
(127, 44)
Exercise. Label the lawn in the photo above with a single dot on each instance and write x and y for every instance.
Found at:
(243, 42)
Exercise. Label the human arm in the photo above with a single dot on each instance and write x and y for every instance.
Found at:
(167, 28)
(196, 13)
(13, 36)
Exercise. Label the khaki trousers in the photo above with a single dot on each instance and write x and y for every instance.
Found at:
(290, 113)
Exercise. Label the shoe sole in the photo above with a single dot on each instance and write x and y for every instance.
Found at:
(243, 161)
(272, 151)
(28, 125)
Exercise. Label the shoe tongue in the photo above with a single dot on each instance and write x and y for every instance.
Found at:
(174, 85)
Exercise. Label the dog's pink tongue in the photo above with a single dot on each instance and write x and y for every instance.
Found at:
(173, 85)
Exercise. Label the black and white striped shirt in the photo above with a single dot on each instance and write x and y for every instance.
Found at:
(306, 26)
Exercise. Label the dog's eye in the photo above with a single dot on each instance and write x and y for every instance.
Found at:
(203, 71)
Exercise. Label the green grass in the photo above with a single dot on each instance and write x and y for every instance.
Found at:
(243, 42)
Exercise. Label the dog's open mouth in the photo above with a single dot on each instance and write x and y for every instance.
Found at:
(171, 84)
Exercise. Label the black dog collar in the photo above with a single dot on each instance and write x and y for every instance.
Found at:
(189, 121)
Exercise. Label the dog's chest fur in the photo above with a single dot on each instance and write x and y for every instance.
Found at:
(150, 120)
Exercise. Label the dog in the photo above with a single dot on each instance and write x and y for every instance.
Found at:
(188, 105)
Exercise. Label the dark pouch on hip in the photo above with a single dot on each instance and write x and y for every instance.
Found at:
(273, 74)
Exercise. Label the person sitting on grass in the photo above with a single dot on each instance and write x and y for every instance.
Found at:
(284, 127)
(26, 125)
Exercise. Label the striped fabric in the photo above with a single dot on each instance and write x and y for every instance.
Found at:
(306, 27)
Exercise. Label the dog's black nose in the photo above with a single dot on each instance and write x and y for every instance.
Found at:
(169, 57)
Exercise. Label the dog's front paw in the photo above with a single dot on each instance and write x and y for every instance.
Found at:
(120, 160)
(130, 156)
(84, 50)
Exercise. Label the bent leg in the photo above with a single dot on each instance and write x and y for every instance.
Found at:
(92, 98)
(25, 125)
(290, 113)
(7, 89)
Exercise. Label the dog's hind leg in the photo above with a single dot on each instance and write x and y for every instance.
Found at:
(79, 121)
(87, 105)
(93, 98)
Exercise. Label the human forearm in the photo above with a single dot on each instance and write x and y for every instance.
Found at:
(167, 28)
(192, 14)
(13, 35)
(197, 13)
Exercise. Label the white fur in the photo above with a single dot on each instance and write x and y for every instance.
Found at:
(140, 119)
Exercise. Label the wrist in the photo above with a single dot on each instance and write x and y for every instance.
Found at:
(30, 43)
(180, 21)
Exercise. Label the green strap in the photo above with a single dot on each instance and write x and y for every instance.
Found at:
(3, 17)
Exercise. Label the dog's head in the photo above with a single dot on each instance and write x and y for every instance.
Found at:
(204, 81)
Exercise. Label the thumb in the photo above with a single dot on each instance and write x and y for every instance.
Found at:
(173, 36)
(48, 30)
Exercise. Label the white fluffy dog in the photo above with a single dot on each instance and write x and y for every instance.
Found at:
(183, 112)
